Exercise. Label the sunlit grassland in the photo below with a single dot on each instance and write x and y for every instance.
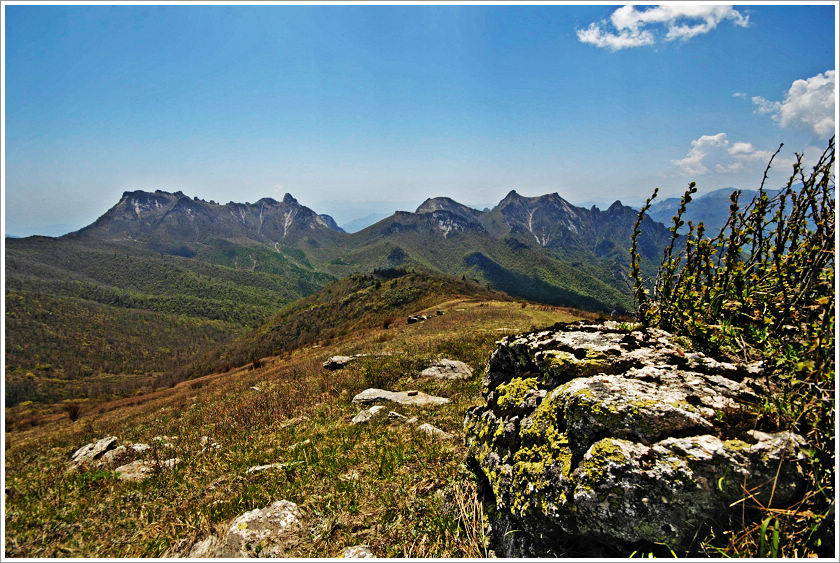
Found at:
(382, 484)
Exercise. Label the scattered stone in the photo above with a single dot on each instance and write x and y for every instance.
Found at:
(208, 444)
(255, 388)
(300, 444)
(263, 532)
(140, 470)
(140, 448)
(416, 318)
(438, 312)
(357, 552)
(94, 450)
(261, 468)
(392, 415)
(349, 476)
(164, 441)
(433, 431)
(595, 436)
(369, 414)
(401, 397)
(448, 369)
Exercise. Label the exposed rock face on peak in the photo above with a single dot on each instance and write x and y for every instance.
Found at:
(600, 437)
(447, 204)
(162, 216)
(331, 222)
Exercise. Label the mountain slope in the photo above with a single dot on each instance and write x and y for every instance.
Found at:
(77, 309)
(359, 301)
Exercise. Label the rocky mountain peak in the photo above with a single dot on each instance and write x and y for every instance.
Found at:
(289, 200)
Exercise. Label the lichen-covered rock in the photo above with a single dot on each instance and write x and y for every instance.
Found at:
(606, 437)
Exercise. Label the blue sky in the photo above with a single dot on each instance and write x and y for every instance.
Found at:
(355, 109)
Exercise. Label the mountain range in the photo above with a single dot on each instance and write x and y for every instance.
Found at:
(162, 278)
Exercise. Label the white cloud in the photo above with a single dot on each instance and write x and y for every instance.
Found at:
(742, 95)
(717, 152)
(626, 27)
(615, 41)
(693, 161)
(808, 104)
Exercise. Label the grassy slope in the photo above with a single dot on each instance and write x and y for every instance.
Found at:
(360, 301)
(381, 484)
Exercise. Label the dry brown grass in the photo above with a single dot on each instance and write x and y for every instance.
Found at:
(381, 484)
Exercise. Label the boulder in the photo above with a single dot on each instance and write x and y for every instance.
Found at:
(416, 319)
(94, 450)
(413, 398)
(594, 436)
(448, 369)
(272, 531)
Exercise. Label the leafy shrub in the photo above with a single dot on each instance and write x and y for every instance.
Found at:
(763, 289)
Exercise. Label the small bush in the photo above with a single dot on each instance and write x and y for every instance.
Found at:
(763, 289)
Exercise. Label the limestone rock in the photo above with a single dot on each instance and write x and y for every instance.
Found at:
(94, 450)
(272, 531)
(413, 398)
(140, 448)
(115, 455)
(433, 431)
(337, 362)
(448, 369)
(416, 318)
(261, 468)
(367, 415)
(592, 435)
(357, 552)
(140, 470)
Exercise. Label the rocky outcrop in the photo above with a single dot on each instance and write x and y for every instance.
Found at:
(596, 436)
(93, 451)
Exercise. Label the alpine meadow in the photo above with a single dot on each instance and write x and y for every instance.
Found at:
(396, 280)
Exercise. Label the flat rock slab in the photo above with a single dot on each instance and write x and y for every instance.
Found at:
(411, 398)
(448, 369)
(272, 531)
